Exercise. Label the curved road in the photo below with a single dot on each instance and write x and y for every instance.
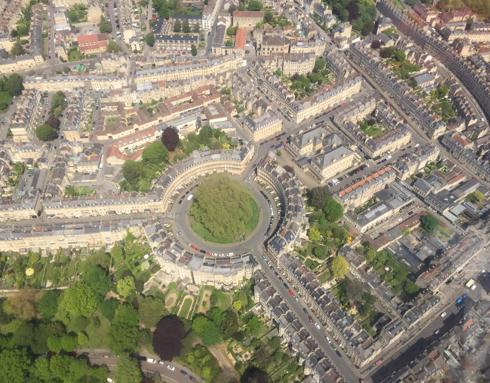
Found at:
(172, 372)
(442, 52)
(183, 230)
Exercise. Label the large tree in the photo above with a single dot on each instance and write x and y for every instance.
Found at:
(170, 138)
(48, 304)
(167, 338)
(13, 84)
(429, 223)
(340, 267)
(105, 25)
(151, 310)
(124, 332)
(97, 278)
(207, 330)
(77, 300)
(155, 153)
(46, 133)
(14, 366)
(318, 196)
(332, 209)
(128, 370)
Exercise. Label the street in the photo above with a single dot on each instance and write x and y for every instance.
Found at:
(170, 371)
(343, 366)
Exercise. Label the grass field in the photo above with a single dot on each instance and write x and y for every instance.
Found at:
(186, 307)
(224, 300)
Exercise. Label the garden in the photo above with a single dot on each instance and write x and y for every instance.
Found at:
(101, 305)
(306, 85)
(139, 175)
(326, 234)
(397, 59)
(390, 270)
(227, 329)
(440, 104)
(372, 128)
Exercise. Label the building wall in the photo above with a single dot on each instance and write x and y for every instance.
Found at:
(345, 91)
(66, 240)
(186, 72)
(266, 132)
(335, 168)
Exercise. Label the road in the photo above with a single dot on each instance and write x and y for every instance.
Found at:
(170, 371)
(182, 228)
(443, 52)
(417, 349)
(343, 366)
(415, 128)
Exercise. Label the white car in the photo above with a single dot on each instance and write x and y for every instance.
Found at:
(161, 362)
(317, 326)
(171, 368)
(443, 315)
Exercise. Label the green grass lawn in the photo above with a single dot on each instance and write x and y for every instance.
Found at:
(186, 306)
(224, 300)
(78, 191)
(372, 130)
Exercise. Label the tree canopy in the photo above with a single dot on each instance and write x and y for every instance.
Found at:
(125, 287)
(340, 267)
(150, 39)
(46, 133)
(105, 25)
(429, 223)
(207, 330)
(170, 138)
(333, 210)
(223, 210)
(10, 86)
(48, 304)
(77, 300)
(167, 338)
(124, 332)
(128, 370)
(318, 196)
